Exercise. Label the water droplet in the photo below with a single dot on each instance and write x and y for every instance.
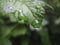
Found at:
(10, 8)
(36, 23)
(16, 14)
(21, 16)
(20, 11)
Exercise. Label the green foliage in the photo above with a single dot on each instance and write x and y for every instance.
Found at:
(15, 15)
(19, 31)
(5, 42)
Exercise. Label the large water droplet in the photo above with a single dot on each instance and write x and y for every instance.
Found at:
(36, 23)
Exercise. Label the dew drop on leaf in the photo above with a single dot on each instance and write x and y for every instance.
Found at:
(10, 8)
(21, 16)
(36, 23)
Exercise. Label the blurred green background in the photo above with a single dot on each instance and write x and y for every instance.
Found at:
(29, 22)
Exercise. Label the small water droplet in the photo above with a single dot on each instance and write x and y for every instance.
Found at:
(20, 11)
(22, 14)
(16, 14)
(10, 8)
(36, 21)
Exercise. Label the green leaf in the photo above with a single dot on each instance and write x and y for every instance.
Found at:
(12, 18)
(11, 6)
(6, 30)
(47, 5)
(5, 42)
(36, 23)
(19, 31)
(27, 11)
(21, 16)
